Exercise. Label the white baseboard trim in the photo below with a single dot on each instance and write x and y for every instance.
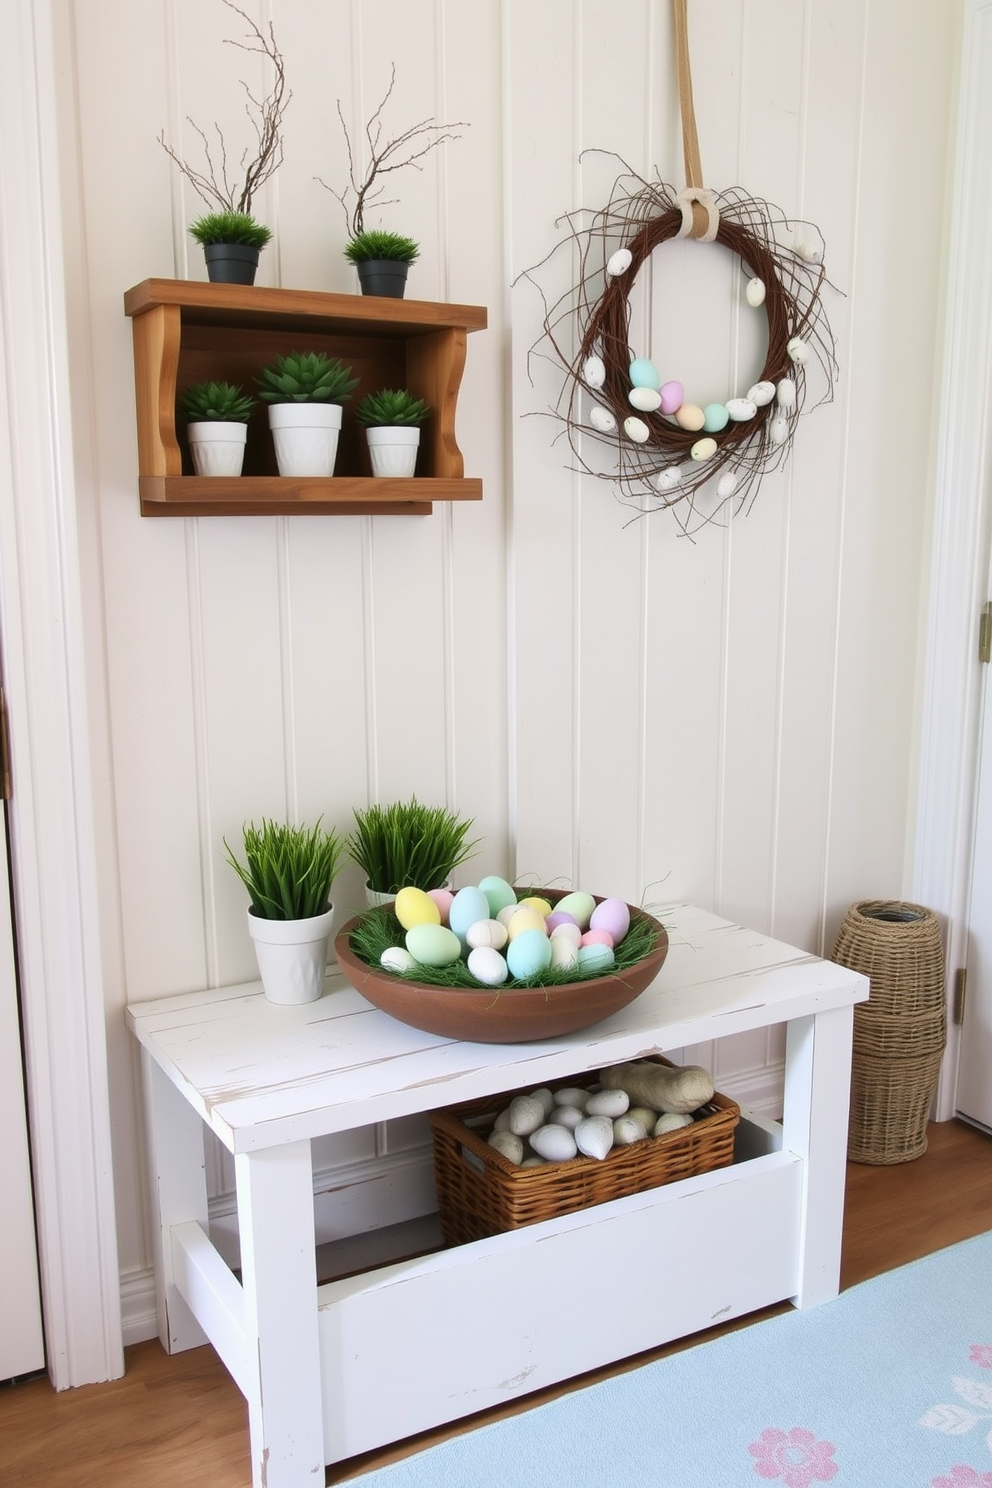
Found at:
(139, 1321)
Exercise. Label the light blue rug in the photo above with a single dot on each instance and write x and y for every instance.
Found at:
(890, 1386)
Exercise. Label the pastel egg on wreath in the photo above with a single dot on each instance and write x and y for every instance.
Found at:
(798, 350)
(486, 933)
(667, 479)
(809, 252)
(672, 396)
(602, 419)
(785, 394)
(468, 905)
(613, 916)
(648, 400)
(593, 372)
(619, 262)
(413, 907)
(594, 958)
(487, 966)
(433, 945)
(523, 920)
(703, 449)
(715, 417)
(726, 485)
(398, 959)
(778, 429)
(643, 373)
(442, 898)
(498, 893)
(690, 416)
(741, 409)
(528, 954)
(637, 430)
(754, 292)
(761, 393)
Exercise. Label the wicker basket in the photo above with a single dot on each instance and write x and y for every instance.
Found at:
(899, 1033)
(481, 1193)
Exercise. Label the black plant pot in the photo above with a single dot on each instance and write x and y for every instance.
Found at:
(383, 276)
(230, 263)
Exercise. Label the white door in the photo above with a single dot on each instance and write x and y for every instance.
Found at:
(22, 1347)
(974, 1089)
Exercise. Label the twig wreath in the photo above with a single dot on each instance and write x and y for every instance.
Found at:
(668, 447)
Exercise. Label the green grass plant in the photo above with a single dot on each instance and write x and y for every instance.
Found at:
(288, 870)
(375, 243)
(409, 844)
(204, 402)
(230, 227)
(306, 377)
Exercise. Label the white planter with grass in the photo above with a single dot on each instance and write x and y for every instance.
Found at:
(292, 956)
(217, 447)
(393, 450)
(305, 436)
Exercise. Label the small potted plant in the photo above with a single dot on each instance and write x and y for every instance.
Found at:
(288, 872)
(392, 419)
(383, 260)
(305, 391)
(408, 844)
(231, 243)
(217, 427)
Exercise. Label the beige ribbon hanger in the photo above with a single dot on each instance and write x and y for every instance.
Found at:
(700, 218)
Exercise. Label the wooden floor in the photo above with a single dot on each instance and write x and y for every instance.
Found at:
(180, 1420)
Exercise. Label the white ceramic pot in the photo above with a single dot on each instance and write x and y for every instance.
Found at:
(217, 447)
(292, 956)
(305, 436)
(393, 451)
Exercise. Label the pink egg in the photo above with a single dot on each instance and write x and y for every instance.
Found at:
(672, 396)
(442, 898)
(613, 916)
(558, 917)
(597, 937)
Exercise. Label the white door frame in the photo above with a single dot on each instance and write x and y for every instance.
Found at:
(53, 844)
(953, 678)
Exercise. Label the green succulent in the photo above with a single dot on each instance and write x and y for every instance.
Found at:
(230, 227)
(207, 401)
(306, 377)
(391, 408)
(377, 244)
(288, 871)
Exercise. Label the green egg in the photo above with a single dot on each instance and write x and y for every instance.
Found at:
(498, 892)
(580, 906)
(433, 945)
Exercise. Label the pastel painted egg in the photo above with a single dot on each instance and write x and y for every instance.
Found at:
(645, 399)
(809, 252)
(644, 373)
(637, 430)
(525, 919)
(667, 479)
(528, 954)
(486, 933)
(594, 959)
(785, 393)
(442, 898)
(703, 449)
(579, 905)
(798, 350)
(619, 262)
(596, 937)
(487, 966)
(690, 417)
(569, 932)
(498, 893)
(564, 955)
(468, 905)
(726, 485)
(556, 918)
(396, 958)
(761, 393)
(602, 419)
(414, 907)
(715, 416)
(593, 372)
(754, 292)
(433, 945)
(778, 429)
(613, 916)
(672, 396)
(741, 409)
(534, 901)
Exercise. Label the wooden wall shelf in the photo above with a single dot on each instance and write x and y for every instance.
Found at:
(186, 331)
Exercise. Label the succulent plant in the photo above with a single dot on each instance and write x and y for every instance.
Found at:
(208, 401)
(391, 408)
(230, 227)
(377, 244)
(306, 377)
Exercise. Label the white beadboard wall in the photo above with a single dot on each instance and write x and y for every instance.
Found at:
(729, 720)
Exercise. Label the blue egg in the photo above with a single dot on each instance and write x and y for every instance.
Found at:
(528, 953)
(468, 905)
(643, 373)
(595, 958)
(715, 417)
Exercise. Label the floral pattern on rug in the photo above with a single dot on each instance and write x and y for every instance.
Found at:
(794, 1456)
(956, 1420)
(963, 1476)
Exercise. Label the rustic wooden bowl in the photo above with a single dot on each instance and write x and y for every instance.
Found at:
(502, 1015)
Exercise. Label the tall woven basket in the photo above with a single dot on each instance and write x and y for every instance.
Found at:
(899, 1033)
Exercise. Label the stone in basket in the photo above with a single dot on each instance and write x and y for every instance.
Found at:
(481, 1193)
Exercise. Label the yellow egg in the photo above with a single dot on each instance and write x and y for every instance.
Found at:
(525, 919)
(534, 901)
(414, 907)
